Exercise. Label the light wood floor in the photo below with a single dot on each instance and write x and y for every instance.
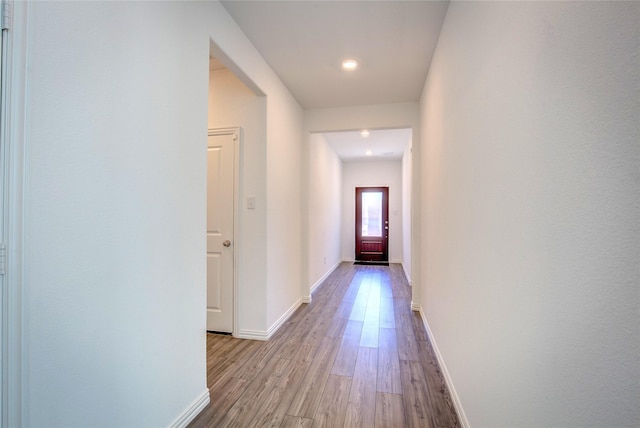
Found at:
(356, 356)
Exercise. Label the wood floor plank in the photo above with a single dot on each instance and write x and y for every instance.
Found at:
(245, 409)
(255, 363)
(273, 407)
(415, 396)
(322, 367)
(306, 400)
(345, 361)
(333, 404)
(407, 347)
(360, 412)
(387, 313)
(370, 328)
(360, 304)
(286, 345)
(296, 422)
(389, 410)
(419, 331)
(337, 326)
(403, 317)
(389, 378)
(354, 287)
(443, 411)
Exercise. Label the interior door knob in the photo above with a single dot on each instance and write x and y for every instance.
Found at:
(227, 243)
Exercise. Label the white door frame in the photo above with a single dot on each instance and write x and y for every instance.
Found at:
(14, 312)
(237, 209)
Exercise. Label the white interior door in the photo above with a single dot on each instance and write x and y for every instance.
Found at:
(221, 164)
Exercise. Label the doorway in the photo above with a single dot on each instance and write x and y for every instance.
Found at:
(372, 224)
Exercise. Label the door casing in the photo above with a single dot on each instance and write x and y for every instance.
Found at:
(361, 252)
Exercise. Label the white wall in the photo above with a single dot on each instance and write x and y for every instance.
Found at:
(406, 210)
(325, 208)
(114, 213)
(233, 104)
(284, 205)
(373, 173)
(531, 282)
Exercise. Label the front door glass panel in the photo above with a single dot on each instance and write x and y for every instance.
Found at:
(371, 214)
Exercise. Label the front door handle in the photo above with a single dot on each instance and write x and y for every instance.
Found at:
(227, 243)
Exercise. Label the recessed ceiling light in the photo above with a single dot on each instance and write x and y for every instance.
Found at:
(368, 153)
(364, 133)
(349, 64)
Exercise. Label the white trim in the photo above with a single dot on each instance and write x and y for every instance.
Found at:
(283, 318)
(16, 316)
(325, 276)
(266, 335)
(192, 410)
(252, 334)
(407, 275)
(464, 422)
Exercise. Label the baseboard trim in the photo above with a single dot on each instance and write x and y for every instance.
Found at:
(266, 335)
(464, 422)
(407, 275)
(323, 277)
(253, 334)
(192, 410)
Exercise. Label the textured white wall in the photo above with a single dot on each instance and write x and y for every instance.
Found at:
(232, 104)
(374, 173)
(531, 123)
(325, 207)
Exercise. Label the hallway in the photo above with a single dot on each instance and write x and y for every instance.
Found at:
(356, 356)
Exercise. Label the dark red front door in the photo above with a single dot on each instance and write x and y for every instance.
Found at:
(372, 224)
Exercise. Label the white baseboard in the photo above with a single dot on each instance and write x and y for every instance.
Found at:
(407, 275)
(325, 276)
(464, 422)
(265, 335)
(252, 334)
(192, 410)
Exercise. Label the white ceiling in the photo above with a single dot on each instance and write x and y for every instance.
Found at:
(304, 42)
(384, 144)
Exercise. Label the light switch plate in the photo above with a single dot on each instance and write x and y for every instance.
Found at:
(251, 202)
